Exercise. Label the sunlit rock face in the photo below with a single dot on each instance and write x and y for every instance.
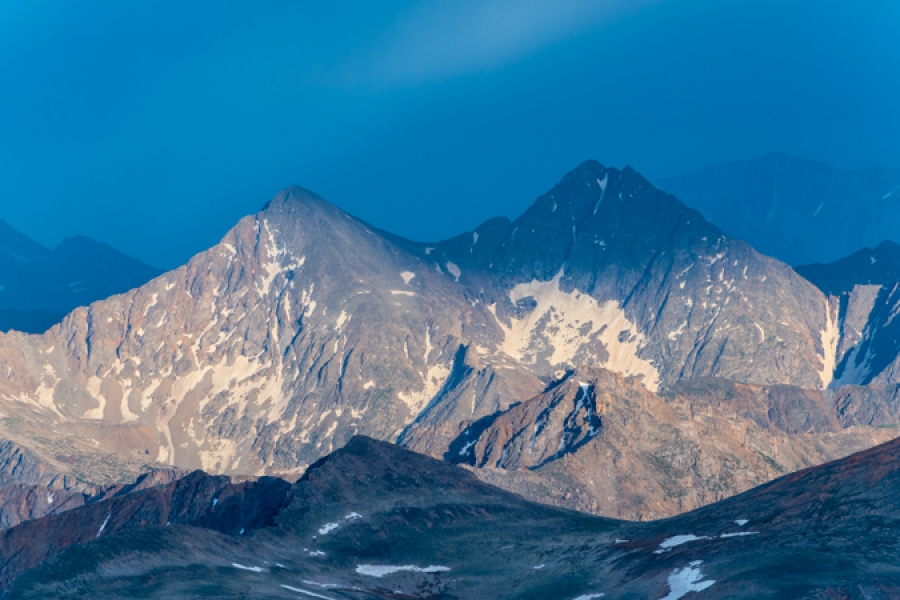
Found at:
(305, 326)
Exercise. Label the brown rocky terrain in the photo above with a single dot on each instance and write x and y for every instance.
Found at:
(19, 502)
(305, 326)
(601, 443)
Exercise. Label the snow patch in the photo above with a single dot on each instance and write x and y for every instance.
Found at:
(467, 447)
(675, 333)
(246, 568)
(830, 337)
(407, 276)
(589, 596)
(276, 260)
(307, 592)
(602, 185)
(762, 332)
(382, 570)
(741, 522)
(738, 534)
(433, 379)
(563, 323)
(102, 527)
(453, 270)
(402, 293)
(328, 528)
(677, 540)
(685, 580)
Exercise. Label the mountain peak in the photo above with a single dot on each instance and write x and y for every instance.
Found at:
(294, 194)
(588, 166)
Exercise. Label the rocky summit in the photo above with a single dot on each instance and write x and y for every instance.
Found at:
(305, 326)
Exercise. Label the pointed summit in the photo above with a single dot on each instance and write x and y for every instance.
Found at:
(297, 200)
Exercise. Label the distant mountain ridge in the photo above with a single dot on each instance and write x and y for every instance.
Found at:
(797, 210)
(39, 286)
(878, 266)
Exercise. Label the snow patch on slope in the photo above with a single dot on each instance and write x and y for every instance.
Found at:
(382, 570)
(830, 337)
(453, 270)
(433, 380)
(688, 579)
(562, 324)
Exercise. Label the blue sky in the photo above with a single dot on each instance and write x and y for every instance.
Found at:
(154, 126)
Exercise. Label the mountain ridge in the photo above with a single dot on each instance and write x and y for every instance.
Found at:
(797, 210)
(375, 520)
(39, 286)
(305, 326)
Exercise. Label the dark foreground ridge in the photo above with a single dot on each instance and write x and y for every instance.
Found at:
(373, 520)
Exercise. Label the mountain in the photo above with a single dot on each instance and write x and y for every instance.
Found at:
(38, 287)
(198, 500)
(375, 521)
(598, 443)
(879, 266)
(20, 503)
(865, 284)
(796, 210)
(305, 327)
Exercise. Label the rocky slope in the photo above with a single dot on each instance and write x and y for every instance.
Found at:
(21, 502)
(305, 326)
(602, 444)
(213, 503)
(796, 210)
(865, 285)
(375, 521)
(39, 286)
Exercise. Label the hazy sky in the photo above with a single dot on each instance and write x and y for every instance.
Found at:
(154, 126)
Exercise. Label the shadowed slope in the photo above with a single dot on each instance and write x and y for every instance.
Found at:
(372, 507)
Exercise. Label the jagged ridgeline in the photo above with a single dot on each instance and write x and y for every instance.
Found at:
(305, 326)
